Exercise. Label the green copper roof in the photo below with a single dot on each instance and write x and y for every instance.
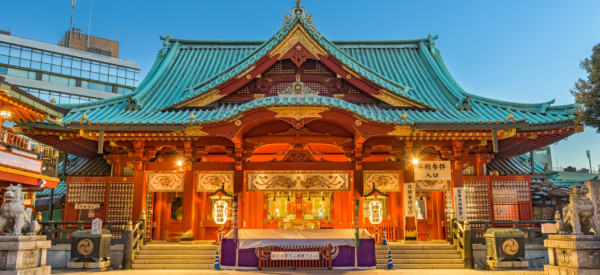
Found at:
(412, 69)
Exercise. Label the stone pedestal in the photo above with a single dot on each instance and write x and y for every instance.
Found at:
(23, 255)
(573, 255)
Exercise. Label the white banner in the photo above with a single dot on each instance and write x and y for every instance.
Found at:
(460, 207)
(20, 162)
(409, 199)
(433, 170)
(296, 255)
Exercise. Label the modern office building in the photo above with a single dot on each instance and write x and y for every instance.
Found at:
(66, 72)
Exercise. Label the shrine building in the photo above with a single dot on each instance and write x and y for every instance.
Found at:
(298, 127)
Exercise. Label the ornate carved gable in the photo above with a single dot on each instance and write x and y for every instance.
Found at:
(298, 54)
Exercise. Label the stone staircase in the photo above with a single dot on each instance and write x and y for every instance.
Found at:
(420, 256)
(175, 256)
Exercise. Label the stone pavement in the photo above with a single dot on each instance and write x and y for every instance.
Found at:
(292, 272)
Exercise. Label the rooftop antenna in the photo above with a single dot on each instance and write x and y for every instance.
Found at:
(587, 152)
(87, 46)
(71, 26)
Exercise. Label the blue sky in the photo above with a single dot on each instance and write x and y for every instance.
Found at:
(525, 51)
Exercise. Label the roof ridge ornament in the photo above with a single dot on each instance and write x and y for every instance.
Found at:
(297, 90)
(299, 12)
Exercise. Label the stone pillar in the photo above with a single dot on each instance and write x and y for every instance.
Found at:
(573, 254)
(23, 255)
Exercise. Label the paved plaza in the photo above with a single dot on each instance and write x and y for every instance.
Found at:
(282, 272)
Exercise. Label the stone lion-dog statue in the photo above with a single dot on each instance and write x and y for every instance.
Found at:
(14, 218)
(580, 216)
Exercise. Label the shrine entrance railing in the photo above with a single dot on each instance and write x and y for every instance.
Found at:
(266, 261)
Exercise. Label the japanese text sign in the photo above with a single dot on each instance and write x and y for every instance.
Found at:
(460, 207)
(409, 199)
(433, 170)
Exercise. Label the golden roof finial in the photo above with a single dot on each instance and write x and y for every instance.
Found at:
(298, 3)
(297, 77)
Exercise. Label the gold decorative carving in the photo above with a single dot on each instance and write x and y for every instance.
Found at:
(298, 180)
(238, 122)
(203, 100)
(85, 247)
(165, 182)
(298, 34)
(401, 131)
(358, 122)
(384, 181)
(510, 246)
(298, 113)
(410, 233)
(393, 100)
(339, 96)
(194, 131)
(507, 133)
(210, 181)
(248, 76)
(259, 96)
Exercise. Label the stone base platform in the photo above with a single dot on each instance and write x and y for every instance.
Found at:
(89, 266)
(573, 254)
(508, 265)
(24, 255)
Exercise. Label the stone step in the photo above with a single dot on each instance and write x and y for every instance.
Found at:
(423, 266)
(178, 247)
(172, 266)
(179, 257)
(421, 261)
(417, 251)
(418, 247)
(418, 256)
(176, 252)
(175, 261)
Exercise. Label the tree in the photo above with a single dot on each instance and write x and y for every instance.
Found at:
(587, 92)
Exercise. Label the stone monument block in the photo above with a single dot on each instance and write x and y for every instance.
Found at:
(573, 254)
(23, 255)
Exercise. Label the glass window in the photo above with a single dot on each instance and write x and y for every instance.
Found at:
(123, 91)
(282, 207)
(35, 65)
(94, 76)
(58, 79)
(67, 60)
(15, 51)
(26, 54)
(76, 63)
(3, 59)
(47, 58)
(103, 77)
(3, 70)
(96, 86)
(112, 79)
(129, 82)
(66, 70)
(112, 70)
(56, 59)
(316, 206)
(56, 69)
(14, 61)
(95, 67)
(130, 74)
(45, 95)
(104, 69)
(4, 49)
(20, 73)
(85, 74)
(46, 67)
(36, 55)
(120, 81)
(121, 72)
(25, 63)
(76, 72)
(85, 65)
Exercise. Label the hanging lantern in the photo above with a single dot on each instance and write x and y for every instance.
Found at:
(220, 211)
(375, 212)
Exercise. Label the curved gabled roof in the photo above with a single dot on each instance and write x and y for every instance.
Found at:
(414, 69)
